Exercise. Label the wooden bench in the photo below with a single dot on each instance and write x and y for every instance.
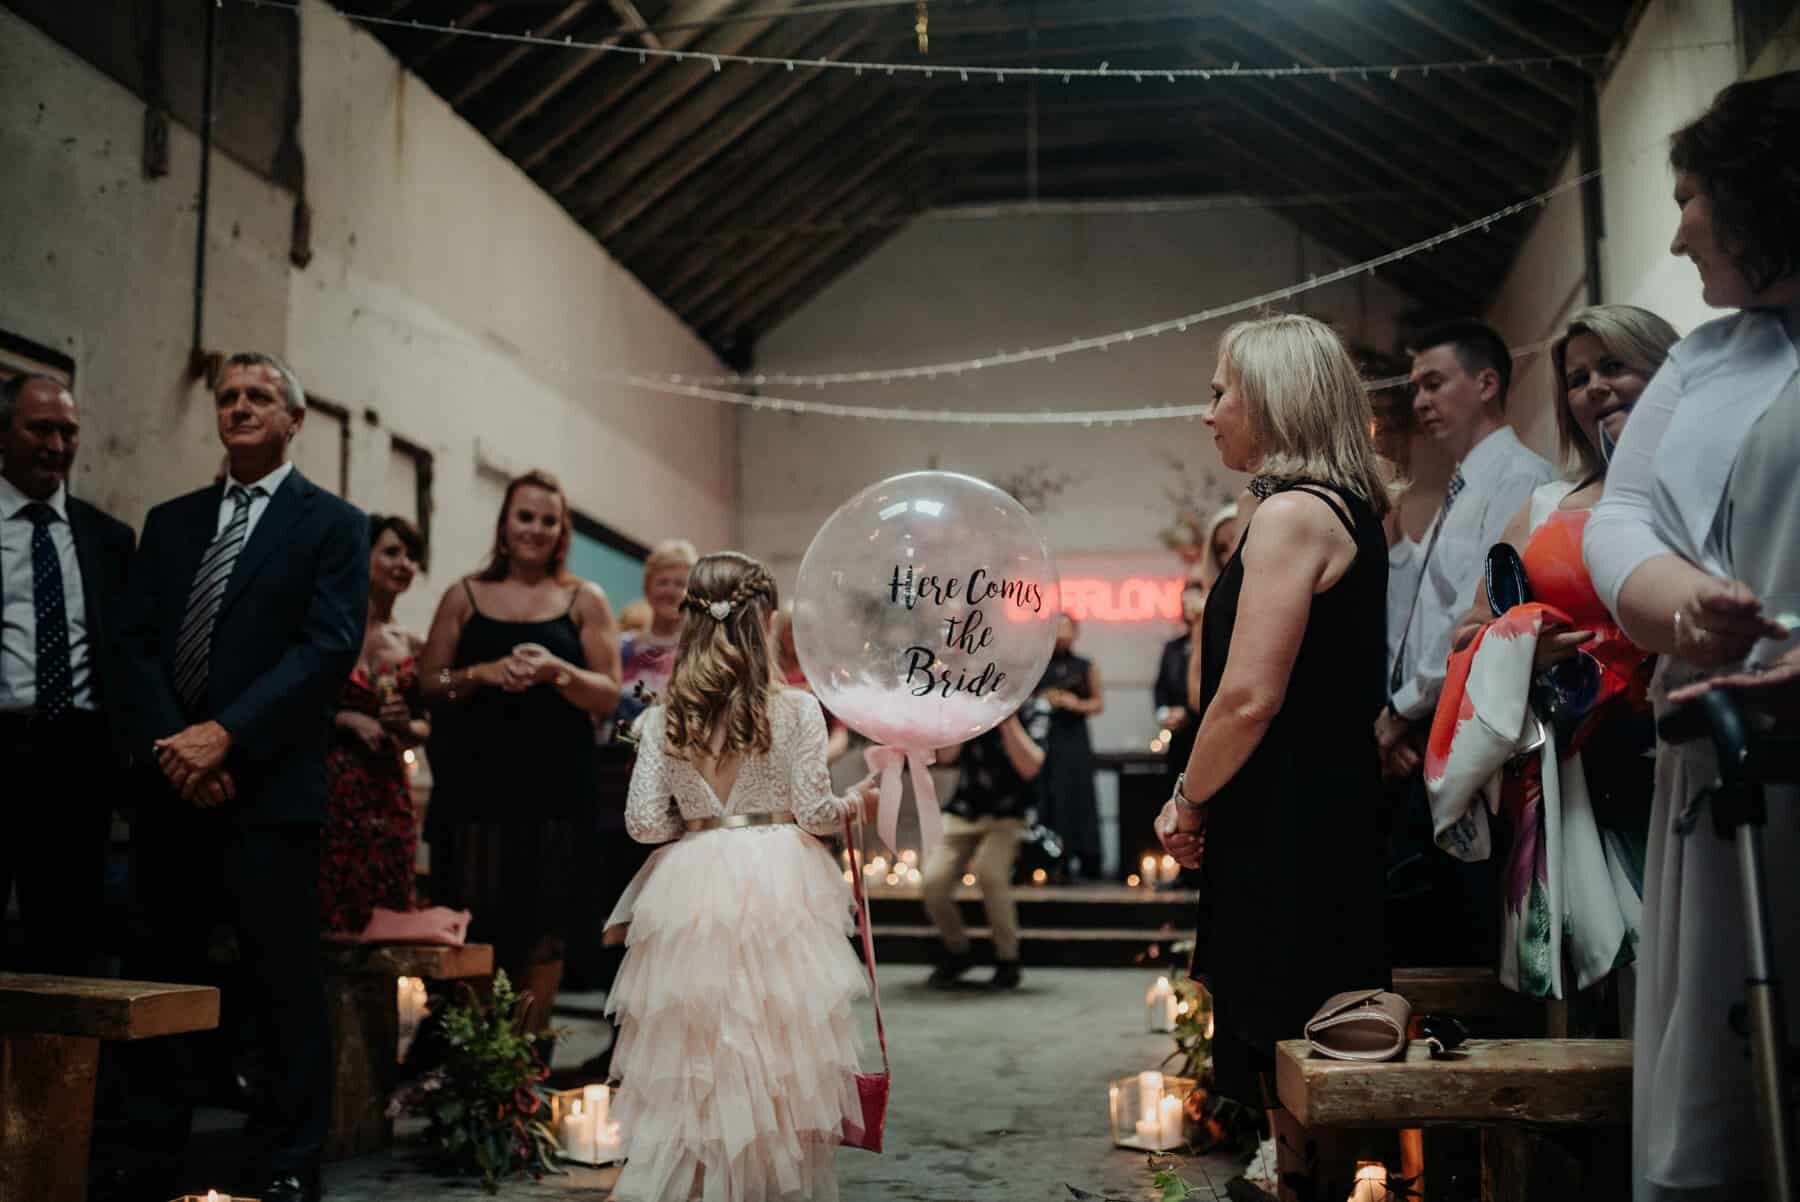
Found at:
(50, 1033)
(1529, 1085)
(361, 990)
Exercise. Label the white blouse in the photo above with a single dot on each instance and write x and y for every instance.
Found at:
(1673, 463)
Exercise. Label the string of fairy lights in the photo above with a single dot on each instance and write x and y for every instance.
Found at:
(730, 388)
(973, 72)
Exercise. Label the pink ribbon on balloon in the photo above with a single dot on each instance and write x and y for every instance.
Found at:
(888, 761)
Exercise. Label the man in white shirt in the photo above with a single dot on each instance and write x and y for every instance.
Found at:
(1460, 374)
(63, 568)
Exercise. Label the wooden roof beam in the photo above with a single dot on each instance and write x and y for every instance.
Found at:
(1444, 197)
(857, 188)
(1538, 127)
(505, 61)
(609, 114)
(808, 127)
(1476, 41)
(659, 162)
(806, 281)
(1545, 28)
(564, 71)
(791, 193)
(1490, 164)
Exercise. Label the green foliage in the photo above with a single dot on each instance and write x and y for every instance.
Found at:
(1193, 1032)
(485, 1105)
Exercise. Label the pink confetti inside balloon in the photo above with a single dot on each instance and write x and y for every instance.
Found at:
(925, 611)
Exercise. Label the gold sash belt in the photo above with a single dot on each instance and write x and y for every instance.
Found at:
(732, 822)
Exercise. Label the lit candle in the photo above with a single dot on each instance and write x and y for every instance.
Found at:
(909, 857)
(1170, 869)
(1159, 1006)
(1112, 1106)
(597, 1101)
(1169, 1122)
(1148, 870)
(213, 1195)
(1134, 880)
(1147, 1132)
(968, 878)
(1150, 1087)
(1371, 1182)
(609, 1142)
(577, 1133)
(410, 998)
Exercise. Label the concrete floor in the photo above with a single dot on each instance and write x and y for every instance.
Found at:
(996, 1098)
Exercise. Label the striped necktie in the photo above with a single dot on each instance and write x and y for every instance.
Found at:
(193, 648)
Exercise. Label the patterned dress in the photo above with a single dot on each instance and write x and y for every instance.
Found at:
(366, 855)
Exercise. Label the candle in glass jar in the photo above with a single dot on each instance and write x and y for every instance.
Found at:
(1169, 1122)
(577, 1133)
(1150, 1087)
(1159, 1006)
(597, 1101)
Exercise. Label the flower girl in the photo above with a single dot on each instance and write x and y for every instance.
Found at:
(737, 1046)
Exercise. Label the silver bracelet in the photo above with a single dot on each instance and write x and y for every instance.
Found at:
(447, 682)
(1181, 799)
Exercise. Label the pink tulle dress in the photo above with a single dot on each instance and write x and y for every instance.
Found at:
(737, 1046)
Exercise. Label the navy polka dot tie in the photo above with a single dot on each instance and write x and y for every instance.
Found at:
(55, 682)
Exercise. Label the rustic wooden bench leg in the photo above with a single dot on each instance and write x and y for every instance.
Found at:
(365, 1033)
(1518, 1164)
(46, 1116)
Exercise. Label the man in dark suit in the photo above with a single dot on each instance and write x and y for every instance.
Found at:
(63, 566)
(244, 616)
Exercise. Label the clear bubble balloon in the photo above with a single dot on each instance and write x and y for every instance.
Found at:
(926, 609)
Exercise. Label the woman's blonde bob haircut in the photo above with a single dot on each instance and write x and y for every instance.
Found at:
(1635, 337)
(1308, 409)
(670, 553)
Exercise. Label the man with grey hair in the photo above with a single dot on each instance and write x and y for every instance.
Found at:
(244, 617)
(63, 567)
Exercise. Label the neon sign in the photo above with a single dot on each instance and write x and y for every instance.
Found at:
(1132, 599)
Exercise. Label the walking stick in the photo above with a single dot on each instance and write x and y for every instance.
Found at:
(1747, 762)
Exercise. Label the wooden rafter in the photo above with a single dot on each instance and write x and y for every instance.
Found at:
(648, 169)
(1494, 162)
(610, 110)
(881, 177)
(510, 57)
(1465, 33)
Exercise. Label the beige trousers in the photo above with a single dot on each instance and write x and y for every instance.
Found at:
(987, 848)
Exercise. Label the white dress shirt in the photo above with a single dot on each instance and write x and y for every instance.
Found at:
(259, 504)
(18, 602)
(1499, 474)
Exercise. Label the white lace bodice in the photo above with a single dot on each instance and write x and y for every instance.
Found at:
(792, 776)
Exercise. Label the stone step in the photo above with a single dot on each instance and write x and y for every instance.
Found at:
(1063, 946)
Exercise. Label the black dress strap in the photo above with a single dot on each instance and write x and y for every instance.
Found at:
(471, 592)
(1328, 494)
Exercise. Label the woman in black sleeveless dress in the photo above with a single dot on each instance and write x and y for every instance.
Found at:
(521, 660)
(1278, 807)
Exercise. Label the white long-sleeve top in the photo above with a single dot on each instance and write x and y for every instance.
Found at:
(794, 776)
(1673, 464)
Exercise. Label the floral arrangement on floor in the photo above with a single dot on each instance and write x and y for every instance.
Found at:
(484, 1103)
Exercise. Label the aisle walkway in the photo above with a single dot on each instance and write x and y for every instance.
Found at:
(997, 1098)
